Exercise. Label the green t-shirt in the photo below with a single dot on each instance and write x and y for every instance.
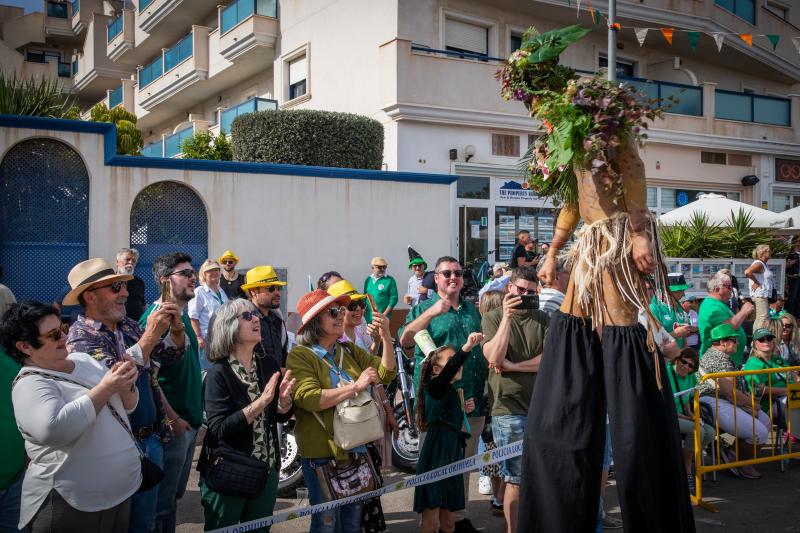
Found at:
(510, 392)
(180, 380)
(777, 379)
(384, 291)
(452, 329)
(682, 403)
(12, 445)
(668, 317)
(712, 313)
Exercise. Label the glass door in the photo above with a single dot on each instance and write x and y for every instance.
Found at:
(509, 220)
(473, 234)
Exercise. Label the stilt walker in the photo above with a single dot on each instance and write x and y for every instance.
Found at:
(597, 357)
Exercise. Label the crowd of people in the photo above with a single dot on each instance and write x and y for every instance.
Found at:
(105, 394)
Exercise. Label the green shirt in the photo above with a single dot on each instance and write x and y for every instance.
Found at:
(776, 380)
(452, 329)
(312, 376)
(712, 313)
(384, 291)
(180, 380)
(510, 392)
(682, 403)
(668, 316)
(12, 445)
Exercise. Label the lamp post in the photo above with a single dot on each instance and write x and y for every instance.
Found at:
(612, 40)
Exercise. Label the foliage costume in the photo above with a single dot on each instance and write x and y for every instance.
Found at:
(597, 358)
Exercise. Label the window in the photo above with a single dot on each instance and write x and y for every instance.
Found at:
(740, 160)
(663, 199)
(713, 158)
(298, 75)
(41, 56)
(745, 9)
(505, 145)
(625, 69)
(515, 42)
(465, 37)
(778, 10)
(473, 187)
(781, 201)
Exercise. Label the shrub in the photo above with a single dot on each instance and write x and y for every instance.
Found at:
(308, 137)
(205, 145)
(129, 138)
(32, 97)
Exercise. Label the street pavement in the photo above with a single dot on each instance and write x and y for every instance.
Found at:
(767, 505)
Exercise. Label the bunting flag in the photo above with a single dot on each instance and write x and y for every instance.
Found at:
(773, 40)
(747, 38)
(694, 38)
(615, 26)
(667, 33)
(796, 42)
(592, 13)
(718, 38)
(641, 35)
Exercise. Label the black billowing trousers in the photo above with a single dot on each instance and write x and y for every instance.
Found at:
(580, 378)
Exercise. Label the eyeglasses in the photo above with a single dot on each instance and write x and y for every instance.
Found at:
(247, 315)
(228, 262)
(359, 304)
(335, 312)
(768, 338)
(54, 334)
(379, 267)
(186, 273)
(451, 273)
(115, 287)
(690, 364)
(523, 290)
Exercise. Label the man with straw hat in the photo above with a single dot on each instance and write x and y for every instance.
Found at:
(231, 281)
(263, 287)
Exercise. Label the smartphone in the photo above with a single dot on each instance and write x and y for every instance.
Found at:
(529, 301)
(166, 294)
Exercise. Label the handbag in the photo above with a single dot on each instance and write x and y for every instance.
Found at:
(356, 420)
(341, 479)
(152, 474)
(233, 473)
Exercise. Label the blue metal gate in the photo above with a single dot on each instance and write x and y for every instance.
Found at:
(167, 217)
(44, 217)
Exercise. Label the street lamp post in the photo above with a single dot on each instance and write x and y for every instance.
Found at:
(612, 40)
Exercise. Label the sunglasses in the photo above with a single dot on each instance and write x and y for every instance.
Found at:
(273, 288)
(115, 287)
(54, 334)
(379, 267)
(247, 315)
(360, 304)
(768, 338)
(228, 262)
(523, 290)
(186, 273)
(451, 273)
(336, 312)
(788, 326)
(690, 364)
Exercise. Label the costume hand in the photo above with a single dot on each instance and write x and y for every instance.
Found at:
(472, 341)
(511, 303)
(547, 274)
(368, 377)
(642, 254)
(440, 307)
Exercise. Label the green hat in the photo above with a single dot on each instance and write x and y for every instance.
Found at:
(723, 331)
(677, 282)
(760, 333)
(414, 258)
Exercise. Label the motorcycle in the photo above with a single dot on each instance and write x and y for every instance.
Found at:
(290, 475)
(405, 445)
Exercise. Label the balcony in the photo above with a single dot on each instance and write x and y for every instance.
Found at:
(94, 72)
(55, 10)
(175, 70)
(689, 97)
(172, 143)
(175, 13)
(155, 149)
(121, 32)
(115, 97)
(249, 106)
(753, 108)
(248, 27)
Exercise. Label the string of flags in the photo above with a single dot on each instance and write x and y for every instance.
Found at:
(692, 36)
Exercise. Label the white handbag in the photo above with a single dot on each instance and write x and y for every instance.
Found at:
(357, 420)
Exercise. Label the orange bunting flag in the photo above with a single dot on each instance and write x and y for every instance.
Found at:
(592, 13)
(747, 38)
(667, 33)
(615, 26)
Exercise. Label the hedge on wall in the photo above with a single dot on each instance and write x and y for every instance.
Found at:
(308, 137)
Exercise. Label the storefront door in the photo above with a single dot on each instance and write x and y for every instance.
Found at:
(473, 233)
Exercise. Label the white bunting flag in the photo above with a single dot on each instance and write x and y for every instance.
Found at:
(796, 41)
(641, 34)
(718, 38)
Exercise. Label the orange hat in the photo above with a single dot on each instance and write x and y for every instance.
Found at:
(313, 303)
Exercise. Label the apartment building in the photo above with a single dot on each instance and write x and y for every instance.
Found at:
(425, 69)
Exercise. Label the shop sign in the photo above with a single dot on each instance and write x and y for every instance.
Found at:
(515, 190)
(787, 170)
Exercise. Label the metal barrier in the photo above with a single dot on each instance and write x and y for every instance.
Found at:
(792, 409)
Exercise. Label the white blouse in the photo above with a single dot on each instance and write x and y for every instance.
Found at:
(89, 458)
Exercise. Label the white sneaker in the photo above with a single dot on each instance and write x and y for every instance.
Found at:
(485, 485)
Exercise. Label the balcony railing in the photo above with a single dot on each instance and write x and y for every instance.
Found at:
(155, 149)
(452, 53)
(76, 6)
(753, 108)
(249, 106)
(74, 67)
(55, 10)
(114, 28)
(239, 10)
(143, 4)
(172, 144)
(744, 9)
(151, 72)
(115, 97)
(64, 70)
(180, 52)
(689, 98)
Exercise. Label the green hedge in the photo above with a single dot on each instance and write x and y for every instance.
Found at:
(308, 137)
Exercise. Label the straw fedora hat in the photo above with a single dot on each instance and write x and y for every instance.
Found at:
(228, 255)
(88, 273)
(261, 276)
(344, 287)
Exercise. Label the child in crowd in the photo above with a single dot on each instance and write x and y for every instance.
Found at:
(440, 412)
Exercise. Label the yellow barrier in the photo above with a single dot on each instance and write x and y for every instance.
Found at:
(793, 404)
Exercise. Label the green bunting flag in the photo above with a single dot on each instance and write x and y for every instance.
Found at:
(694, 38)
(773, 39)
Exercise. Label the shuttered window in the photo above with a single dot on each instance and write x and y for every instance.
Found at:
(466, 37)
(298, 72)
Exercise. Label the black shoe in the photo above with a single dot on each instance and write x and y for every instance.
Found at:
(497, 509)
(465, 526)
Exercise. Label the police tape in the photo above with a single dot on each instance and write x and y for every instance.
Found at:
(463, 466)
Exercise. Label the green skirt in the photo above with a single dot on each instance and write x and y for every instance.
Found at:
(443, 445)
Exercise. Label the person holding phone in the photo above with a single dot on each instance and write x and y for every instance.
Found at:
(513, 343)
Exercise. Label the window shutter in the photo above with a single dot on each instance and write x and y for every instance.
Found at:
(297, 70)
(465, 36)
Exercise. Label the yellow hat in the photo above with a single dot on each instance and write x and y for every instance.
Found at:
(261, 276)
(228, 255)
(344, 287)
(379, 261)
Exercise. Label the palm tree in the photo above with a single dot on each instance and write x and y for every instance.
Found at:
(129, 138)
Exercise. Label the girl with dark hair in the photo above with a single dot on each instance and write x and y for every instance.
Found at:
(440, 413)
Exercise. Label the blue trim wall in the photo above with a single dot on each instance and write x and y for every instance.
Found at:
(111, 158)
